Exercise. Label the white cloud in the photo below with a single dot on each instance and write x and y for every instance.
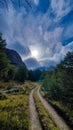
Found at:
(58, 53)
(61, 8)
(40, 30)
(36, 2)
(67, 48)
(53, 36)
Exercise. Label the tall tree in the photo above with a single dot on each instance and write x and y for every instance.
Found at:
(4, 62)
(58, 84)
(22, 73)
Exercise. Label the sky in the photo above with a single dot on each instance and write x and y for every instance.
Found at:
(42, 35)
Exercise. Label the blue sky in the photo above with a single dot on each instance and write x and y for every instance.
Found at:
(46, 29)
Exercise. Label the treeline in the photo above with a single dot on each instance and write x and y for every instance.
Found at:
(58, 84)
(9, 71)
(36, 75)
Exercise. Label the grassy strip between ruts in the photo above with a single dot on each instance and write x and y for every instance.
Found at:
(14, 111)
(45, 119)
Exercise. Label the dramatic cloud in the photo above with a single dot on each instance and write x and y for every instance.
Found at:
(61, 7)
(27, 30)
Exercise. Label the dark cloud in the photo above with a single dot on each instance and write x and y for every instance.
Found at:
(32, 63)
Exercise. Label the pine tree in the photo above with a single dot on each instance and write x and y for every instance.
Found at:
(4, 62)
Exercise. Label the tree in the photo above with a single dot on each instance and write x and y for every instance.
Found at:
(4, 62)
(22, 73)
(58, 84)
(11, 72)
(35, 75)
(2, 44)
(68, 61)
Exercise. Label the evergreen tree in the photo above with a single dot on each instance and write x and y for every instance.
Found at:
(22, 73)
(4, 62)
(58, 84)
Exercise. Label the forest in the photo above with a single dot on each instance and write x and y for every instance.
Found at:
(58, 87)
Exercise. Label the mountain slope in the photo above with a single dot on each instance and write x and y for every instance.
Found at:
(14, 57)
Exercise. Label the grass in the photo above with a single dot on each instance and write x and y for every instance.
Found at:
(14, 111)
(45, 119)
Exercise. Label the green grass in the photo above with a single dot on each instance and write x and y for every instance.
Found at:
(14, 113)
(45, 119)
(14, 110)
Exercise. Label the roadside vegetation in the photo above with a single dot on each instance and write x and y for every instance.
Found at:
(14, 110)
(58, 88)
(46, 121)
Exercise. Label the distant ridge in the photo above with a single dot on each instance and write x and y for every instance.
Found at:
(43, 68)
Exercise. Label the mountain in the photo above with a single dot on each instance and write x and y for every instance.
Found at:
(32, 63)
(14, 57)
(43, 68)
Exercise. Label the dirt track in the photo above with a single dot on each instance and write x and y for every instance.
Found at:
(57, 119)
(34, 120)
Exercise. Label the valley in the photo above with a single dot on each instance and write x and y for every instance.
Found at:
(25, 109)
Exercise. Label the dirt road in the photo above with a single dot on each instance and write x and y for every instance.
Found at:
(34, 120)
(57, 119)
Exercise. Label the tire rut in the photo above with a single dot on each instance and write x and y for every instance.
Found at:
(34, 120)
(57, 119)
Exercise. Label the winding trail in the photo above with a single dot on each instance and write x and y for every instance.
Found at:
(57, 119)
(34, 120)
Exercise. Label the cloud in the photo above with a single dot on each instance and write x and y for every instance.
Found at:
(36, 2)
(26, 31)
(32, 63)
(61, 8)
(68, 32)
(67, 48)
(53, 36)
(59, 53)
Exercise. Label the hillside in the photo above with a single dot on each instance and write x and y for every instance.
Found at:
(14, 57)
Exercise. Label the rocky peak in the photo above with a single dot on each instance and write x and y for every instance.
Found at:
(14, 57)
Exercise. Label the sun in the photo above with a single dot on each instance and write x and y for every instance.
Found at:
(34, 53)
